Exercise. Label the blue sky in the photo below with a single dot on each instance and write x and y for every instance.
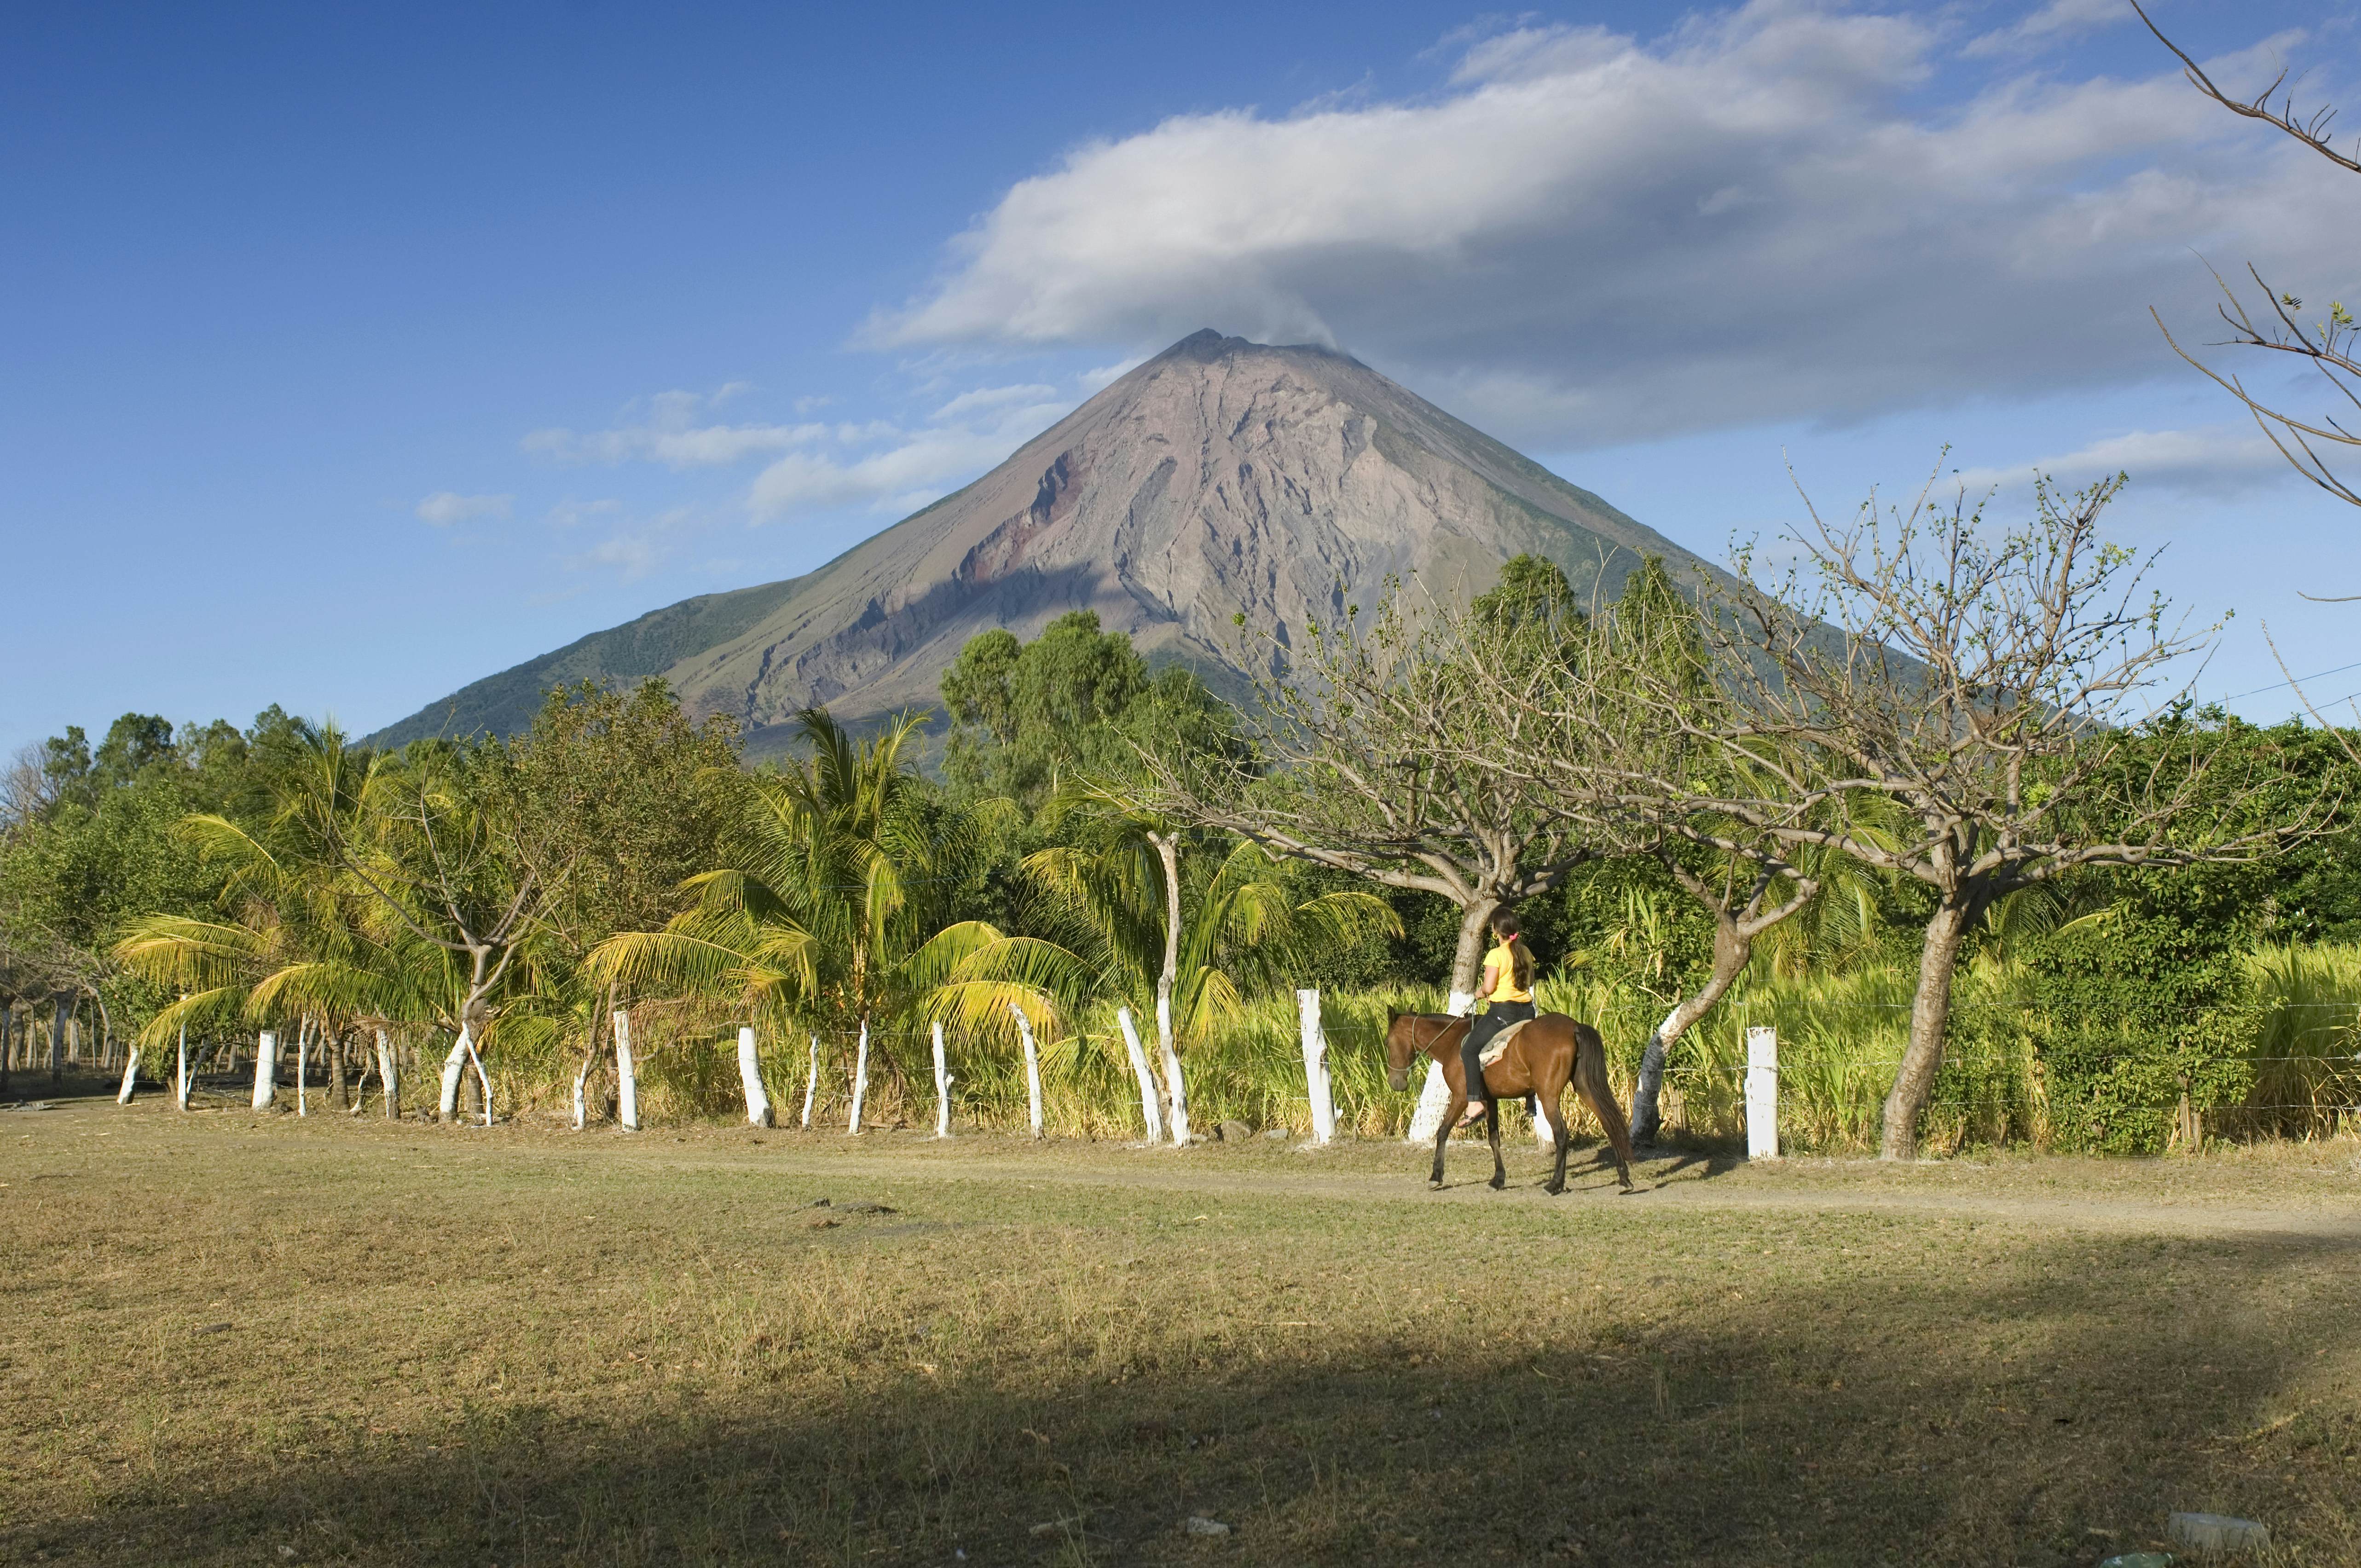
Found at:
(355, 354)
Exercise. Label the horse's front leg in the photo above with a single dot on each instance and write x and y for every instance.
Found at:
(1450, 1114)
(1492, 1125)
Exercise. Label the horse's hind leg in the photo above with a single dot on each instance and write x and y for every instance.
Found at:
(1492, 1125)
(1557, 1125)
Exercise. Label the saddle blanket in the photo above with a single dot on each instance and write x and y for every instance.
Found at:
(1500, 1046)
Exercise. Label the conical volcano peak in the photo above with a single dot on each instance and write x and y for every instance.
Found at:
(1207, 346)
(1222, 478)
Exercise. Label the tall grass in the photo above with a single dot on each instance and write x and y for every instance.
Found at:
(1840, 1039)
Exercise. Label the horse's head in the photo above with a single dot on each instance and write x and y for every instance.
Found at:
(1402, 1047)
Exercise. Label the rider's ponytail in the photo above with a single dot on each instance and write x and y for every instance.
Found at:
(1520, 956)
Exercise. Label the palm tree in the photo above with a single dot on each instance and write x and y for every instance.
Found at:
(831, 905)
(1195, 931)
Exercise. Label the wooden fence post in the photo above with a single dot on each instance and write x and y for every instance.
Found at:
(1316, 1066)
(749, 1074)
(1032, 1065)
(1761, 1092)
(859, 1079)
(266, 1069)
(942, 1087)
(627, 1074)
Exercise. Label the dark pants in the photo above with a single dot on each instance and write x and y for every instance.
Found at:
(1488, 1023)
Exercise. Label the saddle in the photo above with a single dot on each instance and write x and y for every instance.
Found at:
(1500, 1046)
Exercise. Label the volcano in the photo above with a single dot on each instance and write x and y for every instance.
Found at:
(1221, 478)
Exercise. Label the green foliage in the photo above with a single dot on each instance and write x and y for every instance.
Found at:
(1071, 702)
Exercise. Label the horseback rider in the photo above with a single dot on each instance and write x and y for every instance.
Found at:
(1507, 988)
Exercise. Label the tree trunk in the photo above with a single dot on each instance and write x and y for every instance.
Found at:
(454, 1067)
(338, 1084)
(860, 1079)
(303, 1064)
(181, 1080)
(56, 1041)
(1468, 959)
(811, 1083)
(389, 1078)
(483, 1082)
(942, 1087)
(266, 1069)
(1930, 1010)
(130, 1077)
(1032, 1065)
(7, 1045)
(1176, 1090)
(1149, 1113)
(749, 1074)
(627, 1074)
(1733, 949)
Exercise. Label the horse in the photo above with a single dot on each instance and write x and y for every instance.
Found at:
(1542, 1057)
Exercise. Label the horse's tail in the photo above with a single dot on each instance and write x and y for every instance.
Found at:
(1591, 1082)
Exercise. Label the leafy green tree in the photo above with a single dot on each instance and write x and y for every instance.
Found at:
(1074, 702)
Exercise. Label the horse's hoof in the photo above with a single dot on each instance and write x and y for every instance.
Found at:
(1554, 1187)
(1497, 1183)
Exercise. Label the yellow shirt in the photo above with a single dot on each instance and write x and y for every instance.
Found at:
(1504, 972)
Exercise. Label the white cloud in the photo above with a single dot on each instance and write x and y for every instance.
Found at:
(637, 547)
(994, 398)
(445, 508)
(908, 468)
(2220, 460)
(670, 434)
(1587, 238)
(2058, 20)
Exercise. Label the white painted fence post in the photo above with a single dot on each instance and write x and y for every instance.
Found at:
(1032, 1065)
(180, 1082)
(266, 1076)
(1149, 1113)
(750, 1073)
(627, 1075)
(389, 1077)
(1761, 1092)
(1435, 1097)
(942, 1087)
(811, 1083)
(1174, 1087)
(859, 1079)
(1316, 1066)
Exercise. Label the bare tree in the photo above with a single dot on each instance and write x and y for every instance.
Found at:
(1965, 710)
(1590, 739)
(2328, 344)
(1372, 754)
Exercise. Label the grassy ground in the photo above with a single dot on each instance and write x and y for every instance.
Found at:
(239, 1339)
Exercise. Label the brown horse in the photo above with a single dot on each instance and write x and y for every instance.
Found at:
(1542, 1059)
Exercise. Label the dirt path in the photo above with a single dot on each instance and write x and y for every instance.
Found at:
(1661, 1184)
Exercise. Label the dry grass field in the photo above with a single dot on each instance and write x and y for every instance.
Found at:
(227, 1338)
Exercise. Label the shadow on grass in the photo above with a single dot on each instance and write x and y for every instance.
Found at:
(2002, 1419)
